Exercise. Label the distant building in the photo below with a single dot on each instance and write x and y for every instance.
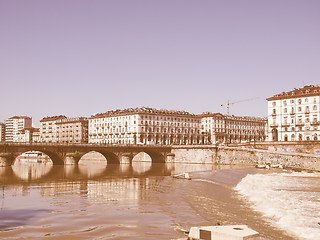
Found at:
(29, 135)
(14, 125)
(72, 130)
(294, 115)
(2, 132)
(221, 128)
(48, 129)
(145, 126)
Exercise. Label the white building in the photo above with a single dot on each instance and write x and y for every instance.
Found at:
(48, 129)
(14, 125)
(28, 135)
(72, 130)
(232, 129)
(294, 115)
(145, 126)
(2, 132)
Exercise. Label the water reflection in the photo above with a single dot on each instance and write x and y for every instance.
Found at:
(141, 167)
(30, 170)
(46, 194)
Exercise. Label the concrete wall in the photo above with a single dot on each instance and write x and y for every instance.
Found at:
(194, 154)
(228, 155)
(244, 156)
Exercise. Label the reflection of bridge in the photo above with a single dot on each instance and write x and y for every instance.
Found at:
(70, 154)
(16, 174)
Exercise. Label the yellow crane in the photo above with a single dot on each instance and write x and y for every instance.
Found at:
(230, 103)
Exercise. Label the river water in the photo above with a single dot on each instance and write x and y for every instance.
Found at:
(98, 201)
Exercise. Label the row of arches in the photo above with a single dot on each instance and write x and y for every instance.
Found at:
(107, 156)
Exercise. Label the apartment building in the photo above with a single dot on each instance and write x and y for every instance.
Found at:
(29, 135)
(145, 126)
(48, 129)
(232, 129)
(14, 125)
(294, 115)
(2, 132)
(72, 130)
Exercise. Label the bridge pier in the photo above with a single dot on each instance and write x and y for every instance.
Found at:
(170, 157)
(126, 158)
(6, 159)
(71, 159)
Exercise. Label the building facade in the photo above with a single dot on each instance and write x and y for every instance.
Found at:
(14, 125)
(48, 129)
(232, 129)
(145, 126)
(29, 135)
(2, 132)
(295, 115)
(72, 130)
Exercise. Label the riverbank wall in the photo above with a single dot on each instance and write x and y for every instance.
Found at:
(241, 156)
(245, 156)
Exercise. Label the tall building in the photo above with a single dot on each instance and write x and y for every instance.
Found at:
(232, 129)
(14, 125)
(145, 126)
(294, 115)
(2, 132)
(72, 130)
(48, 129)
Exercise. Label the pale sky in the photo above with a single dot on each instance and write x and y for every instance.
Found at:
(79, 58)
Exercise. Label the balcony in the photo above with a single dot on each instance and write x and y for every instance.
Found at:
(315, 123)
(285, 125)
(300, 124)
(273, 125)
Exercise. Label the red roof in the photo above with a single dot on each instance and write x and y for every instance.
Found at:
(31, 129)
(306, 91)
(52, 118)
(20, 117)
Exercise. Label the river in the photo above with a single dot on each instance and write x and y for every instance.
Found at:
(95, 200)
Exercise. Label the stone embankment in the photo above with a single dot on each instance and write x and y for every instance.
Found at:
(245, 156)
(236, 156)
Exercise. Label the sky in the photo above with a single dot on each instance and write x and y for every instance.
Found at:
(82, 57)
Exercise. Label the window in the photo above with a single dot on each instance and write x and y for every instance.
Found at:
(315, 107)
(306, 100)
(285, 110)
(307, 109)
(274, 104)
(299, 101)
(299, 109)
(285, 103)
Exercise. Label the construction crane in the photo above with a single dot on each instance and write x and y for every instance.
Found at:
(230, 103)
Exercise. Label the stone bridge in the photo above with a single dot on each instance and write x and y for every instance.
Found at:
(71, 154)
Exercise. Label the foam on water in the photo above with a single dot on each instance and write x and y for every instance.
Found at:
(289, 200)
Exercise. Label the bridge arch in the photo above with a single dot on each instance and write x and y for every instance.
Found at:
(156, 157)
(109, 156)
(55, 158)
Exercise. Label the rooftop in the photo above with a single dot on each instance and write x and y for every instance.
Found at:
(143, 110)
(232, 117)
(306, 91)
(52, 118)
(20, 117)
